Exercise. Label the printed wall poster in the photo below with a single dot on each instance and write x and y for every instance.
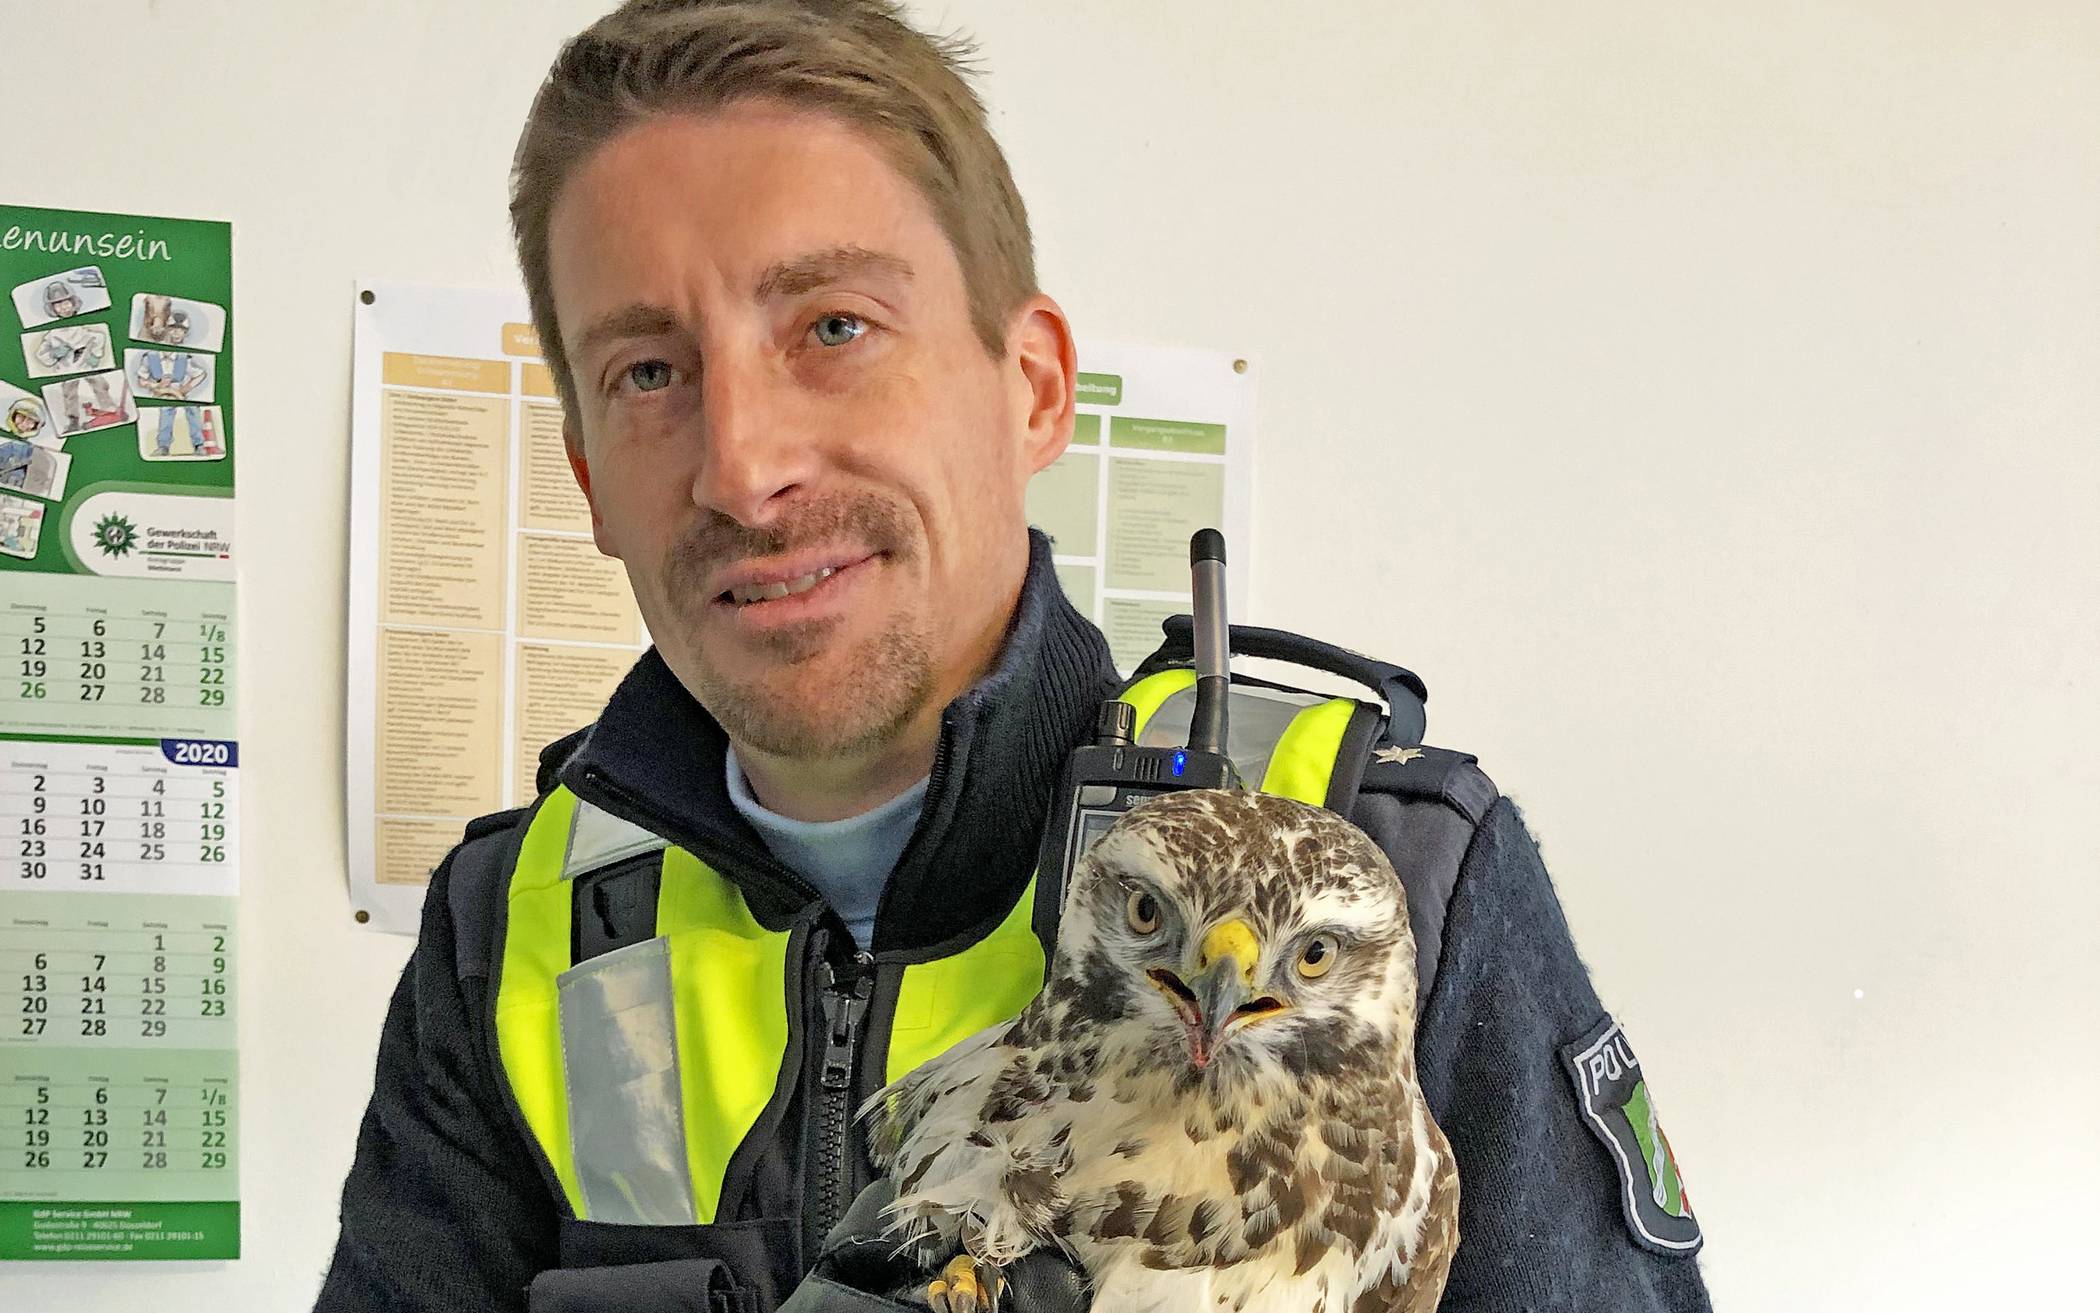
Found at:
(1163, 446)
(484, 624)
(119, 792)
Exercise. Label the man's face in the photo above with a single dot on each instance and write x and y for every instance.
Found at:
(779, 391)
(65, 307)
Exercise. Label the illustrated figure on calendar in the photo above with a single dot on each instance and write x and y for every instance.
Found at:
(72, 349)
(25, 418)
(165, 438)
(168, 375)
(91, 403)
(162, 321)
(15, 457)
(181, 433)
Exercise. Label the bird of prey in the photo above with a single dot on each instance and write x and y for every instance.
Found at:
(1212, 1103)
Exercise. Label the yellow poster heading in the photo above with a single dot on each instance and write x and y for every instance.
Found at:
(520, 340)
(449, 373)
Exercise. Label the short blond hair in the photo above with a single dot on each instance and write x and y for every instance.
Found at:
(855, 59)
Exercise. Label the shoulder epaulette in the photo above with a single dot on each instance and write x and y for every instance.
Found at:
(1452, 778)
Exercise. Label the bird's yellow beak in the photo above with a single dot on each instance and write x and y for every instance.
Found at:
(1219, 1001)
(1233, 939)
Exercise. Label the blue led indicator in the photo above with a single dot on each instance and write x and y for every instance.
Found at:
(1181, 761)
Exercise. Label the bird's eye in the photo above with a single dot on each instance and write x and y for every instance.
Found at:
(1318, 958)
(649, 375)
(1142, 910)
(837, 330)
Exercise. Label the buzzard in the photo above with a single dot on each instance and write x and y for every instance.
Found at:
(1212, 1103)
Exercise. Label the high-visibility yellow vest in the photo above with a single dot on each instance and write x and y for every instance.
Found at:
(641, 1071)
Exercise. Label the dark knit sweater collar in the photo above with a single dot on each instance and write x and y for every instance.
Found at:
(655, 757)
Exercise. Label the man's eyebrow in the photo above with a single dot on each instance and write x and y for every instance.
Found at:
(636, 320)
(807, 273)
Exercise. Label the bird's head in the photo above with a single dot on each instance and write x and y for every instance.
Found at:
(1226, 936)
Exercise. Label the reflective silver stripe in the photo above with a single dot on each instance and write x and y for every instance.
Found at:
(619, 1057)
(1256, 719)
(598, 838)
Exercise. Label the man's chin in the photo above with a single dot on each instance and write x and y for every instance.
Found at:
(827, 705)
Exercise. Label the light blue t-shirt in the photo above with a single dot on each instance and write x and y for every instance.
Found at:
(847, 861)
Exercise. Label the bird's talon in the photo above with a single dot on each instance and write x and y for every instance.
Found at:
(964, 1286)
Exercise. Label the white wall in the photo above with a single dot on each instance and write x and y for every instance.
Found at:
(1713, 390)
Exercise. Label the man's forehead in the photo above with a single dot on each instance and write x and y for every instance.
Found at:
(783, 181)
(763, 203)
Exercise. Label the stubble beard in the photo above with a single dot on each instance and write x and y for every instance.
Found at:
(869, 703)
(865, 698)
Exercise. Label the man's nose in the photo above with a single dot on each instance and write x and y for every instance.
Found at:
(757, 444)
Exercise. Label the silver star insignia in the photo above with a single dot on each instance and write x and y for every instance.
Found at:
(1398, 756)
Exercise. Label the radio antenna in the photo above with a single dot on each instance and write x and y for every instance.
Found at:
(1212, 637)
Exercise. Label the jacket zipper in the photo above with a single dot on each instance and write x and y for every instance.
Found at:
(845, 1007)
(845, 1002)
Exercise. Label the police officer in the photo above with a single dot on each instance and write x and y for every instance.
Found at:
(784, 281)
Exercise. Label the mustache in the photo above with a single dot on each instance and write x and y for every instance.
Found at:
(715, 540)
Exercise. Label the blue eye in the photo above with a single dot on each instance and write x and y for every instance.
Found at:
(649, 375)
(838, 330)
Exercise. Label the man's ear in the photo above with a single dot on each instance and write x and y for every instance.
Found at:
(580, 466)
(1049, 368)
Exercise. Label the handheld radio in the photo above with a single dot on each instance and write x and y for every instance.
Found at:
(1114, 773)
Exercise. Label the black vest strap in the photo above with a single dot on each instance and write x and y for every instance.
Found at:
(1403, 691)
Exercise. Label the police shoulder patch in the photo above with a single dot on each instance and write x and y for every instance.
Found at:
(1617, 1106)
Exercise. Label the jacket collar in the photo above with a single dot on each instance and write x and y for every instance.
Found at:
(655, 757)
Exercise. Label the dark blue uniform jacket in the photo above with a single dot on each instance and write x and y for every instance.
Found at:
(446, 1208)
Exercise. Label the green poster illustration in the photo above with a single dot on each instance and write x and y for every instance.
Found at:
(118, 760)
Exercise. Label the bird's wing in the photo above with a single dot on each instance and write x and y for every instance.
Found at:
(896, 1110)
(1416, 1236)
(977, 1141)
(1424, 1288)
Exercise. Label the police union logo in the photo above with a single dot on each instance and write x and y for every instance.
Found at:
(115, 535)
(1616, 1105)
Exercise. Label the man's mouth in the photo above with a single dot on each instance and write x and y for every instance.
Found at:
(756, 589)
(747, 594)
